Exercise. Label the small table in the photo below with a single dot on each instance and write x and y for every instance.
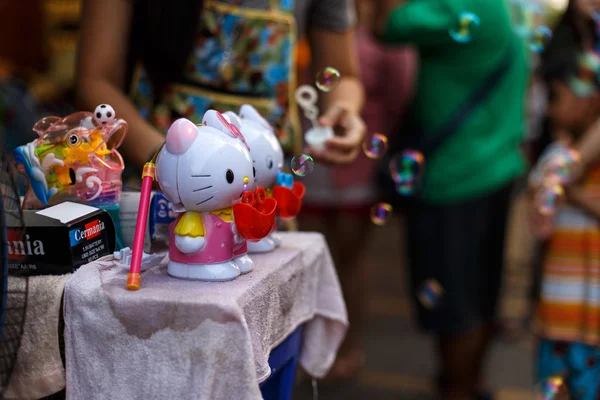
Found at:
(187, 339)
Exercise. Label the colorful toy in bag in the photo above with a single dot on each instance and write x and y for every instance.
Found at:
(206, 171)
(74, 159)
(267, 156)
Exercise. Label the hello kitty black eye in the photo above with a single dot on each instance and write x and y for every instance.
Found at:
(254, 172)
(229, 176)
(269, 162)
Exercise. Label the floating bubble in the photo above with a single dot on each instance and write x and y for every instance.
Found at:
(539, 37)
(430, 293)
(302, 164)
(328, 79)
(380, 213)
(552, 388)
(376, 146)
(526, 16)
(406, 170)
(465, 27)
(558, 171)
(558, 168)
(548, 198)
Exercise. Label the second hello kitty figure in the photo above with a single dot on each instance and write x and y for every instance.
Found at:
(204, 171)
(268, 158)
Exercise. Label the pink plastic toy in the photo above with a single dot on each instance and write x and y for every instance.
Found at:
(267, 156)
(75, 158)
(204, 171)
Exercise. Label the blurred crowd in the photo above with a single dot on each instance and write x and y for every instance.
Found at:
(487, 105)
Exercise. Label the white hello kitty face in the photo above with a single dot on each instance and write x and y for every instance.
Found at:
(204, 168)
(267, 154)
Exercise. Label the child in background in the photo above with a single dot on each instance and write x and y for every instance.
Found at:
(339, 198)
(568, 310)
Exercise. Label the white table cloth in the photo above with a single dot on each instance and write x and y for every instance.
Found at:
(177, 339)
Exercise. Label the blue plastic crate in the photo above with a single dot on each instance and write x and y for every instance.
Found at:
(283, 361)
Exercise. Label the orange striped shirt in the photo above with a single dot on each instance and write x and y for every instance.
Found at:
(569, 306)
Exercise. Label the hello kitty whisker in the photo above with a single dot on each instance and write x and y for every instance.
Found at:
(204, 188)
(200, 176)
(204, 201)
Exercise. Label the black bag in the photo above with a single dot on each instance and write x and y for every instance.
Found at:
(410, 135)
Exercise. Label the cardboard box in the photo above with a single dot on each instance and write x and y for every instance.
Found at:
(59, 239)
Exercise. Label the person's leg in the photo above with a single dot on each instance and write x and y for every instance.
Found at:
(351, 233)
(491, 264)
(458, 246)
(346, 235)
(440, 248)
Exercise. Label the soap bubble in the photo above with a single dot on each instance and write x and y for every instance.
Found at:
(539, 37)
(548, 198)
(328, 79)
(465, 27)
(376, 146)
(406, 169)
(552, 388)
(558, 170)
(430, 293)
(302, 164)
(526, 16)
(380, 213)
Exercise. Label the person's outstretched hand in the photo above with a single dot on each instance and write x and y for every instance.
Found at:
(350, 133)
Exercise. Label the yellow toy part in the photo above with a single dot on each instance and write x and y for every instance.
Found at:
(93, 143)
(63, 175)
(226, 214)
(190, 224)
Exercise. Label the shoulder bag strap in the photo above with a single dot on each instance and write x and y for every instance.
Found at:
(429, 142)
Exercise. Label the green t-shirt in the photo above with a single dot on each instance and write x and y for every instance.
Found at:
(483, 155)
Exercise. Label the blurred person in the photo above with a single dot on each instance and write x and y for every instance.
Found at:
(339, 199)
(456, 224)
(195, 55)
(568, 309)
(577, 30)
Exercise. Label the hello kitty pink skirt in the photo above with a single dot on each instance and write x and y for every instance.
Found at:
(220, 244)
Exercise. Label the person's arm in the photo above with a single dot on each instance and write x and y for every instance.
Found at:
(101, 68)
(418, 22)
(576, 196)
(588, 148)
(342, 106)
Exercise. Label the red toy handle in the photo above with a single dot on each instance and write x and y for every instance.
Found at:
(134, 278)
(248, 198)
(260, 196)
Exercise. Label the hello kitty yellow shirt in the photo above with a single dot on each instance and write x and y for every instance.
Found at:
(191, 223)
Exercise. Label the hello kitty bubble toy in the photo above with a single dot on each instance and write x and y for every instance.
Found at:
(315, 137)
(268, 159)
(75, 158)
(205, 172)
